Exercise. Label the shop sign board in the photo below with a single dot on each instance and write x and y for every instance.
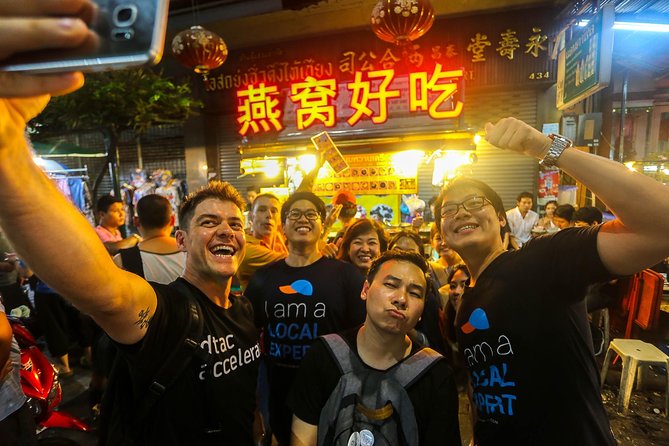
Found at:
(368, 174)
(584, 66)
(353, 80)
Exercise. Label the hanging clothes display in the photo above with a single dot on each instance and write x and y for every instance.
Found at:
(171, 188)
(72, 184)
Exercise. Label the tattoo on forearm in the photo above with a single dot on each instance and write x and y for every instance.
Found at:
(144, 319)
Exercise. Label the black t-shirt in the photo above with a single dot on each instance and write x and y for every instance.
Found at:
(295, 305)
(220, 397)
(434, 395)
(523, 332)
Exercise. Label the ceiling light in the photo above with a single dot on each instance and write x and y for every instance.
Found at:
(639, 26)
(633, 26)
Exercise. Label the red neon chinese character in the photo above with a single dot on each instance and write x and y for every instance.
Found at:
(416, 58)
(442, 82)
(367, 60)
(347, 64)
(315, 99)
(388, 60)
(259, 107)
(362, 95)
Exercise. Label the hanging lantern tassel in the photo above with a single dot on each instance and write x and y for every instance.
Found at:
(199, 49)
(401, 22)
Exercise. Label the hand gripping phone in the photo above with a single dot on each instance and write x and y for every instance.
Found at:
(130, 33)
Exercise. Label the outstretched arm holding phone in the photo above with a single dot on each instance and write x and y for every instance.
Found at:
(62, 249)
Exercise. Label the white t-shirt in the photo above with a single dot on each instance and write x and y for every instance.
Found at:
(163, 268)
(521, 227)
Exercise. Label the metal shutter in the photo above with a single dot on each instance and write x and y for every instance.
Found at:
(507, 173)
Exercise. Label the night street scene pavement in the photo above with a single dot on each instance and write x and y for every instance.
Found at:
(644, 425)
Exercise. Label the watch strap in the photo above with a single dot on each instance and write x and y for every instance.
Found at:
(558, 145)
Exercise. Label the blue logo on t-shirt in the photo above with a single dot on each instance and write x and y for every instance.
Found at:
(478, 320)
(303, 287)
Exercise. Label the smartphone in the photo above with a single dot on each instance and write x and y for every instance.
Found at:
(129, 33)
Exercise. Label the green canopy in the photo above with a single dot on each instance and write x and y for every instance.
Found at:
(64, 148)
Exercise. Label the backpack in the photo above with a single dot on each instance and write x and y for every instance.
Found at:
(131, 259)
(187, 350)
(370, 407)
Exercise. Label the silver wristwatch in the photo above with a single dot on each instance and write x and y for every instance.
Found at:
(559, 144)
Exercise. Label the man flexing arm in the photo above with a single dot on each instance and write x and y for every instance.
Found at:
(638, 238)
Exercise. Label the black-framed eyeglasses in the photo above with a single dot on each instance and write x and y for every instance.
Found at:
(310, 214)
(470, 204)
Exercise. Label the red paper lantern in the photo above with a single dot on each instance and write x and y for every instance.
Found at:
(199, 49)
(402, 21)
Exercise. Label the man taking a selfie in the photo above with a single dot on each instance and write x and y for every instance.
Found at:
(210, 401)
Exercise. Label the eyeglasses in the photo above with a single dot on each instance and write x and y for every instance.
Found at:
(310, 214)
(470, 204)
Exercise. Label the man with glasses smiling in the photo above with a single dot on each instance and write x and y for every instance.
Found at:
(299, 298)
(528, 347)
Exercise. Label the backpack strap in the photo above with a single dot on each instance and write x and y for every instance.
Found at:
(406, 372)
(412, 368)
(342, 353)
(131, 259)
(180, 358)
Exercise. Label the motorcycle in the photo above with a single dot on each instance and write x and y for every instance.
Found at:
(39, 381)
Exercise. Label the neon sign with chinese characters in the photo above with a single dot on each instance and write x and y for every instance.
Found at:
(370, 95)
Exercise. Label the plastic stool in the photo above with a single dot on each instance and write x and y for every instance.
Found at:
(634, 354)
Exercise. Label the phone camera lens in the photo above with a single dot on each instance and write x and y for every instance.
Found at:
(125, 15)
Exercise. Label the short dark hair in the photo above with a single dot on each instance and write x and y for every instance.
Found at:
(402, 256)
(303, 195)
(105, 201)
(406, 233)
(565, 211)
(459, 267)
(219, 190)
(589, 214)
(357, 228)
(469, 183)
(524, 195)
(154, 211)
(264, 195)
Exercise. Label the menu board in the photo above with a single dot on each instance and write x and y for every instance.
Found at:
(367, 174)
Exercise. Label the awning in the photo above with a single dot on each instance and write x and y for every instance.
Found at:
(63, 148)
(368, 141)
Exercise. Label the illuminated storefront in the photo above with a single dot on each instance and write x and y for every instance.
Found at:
(378, 101)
